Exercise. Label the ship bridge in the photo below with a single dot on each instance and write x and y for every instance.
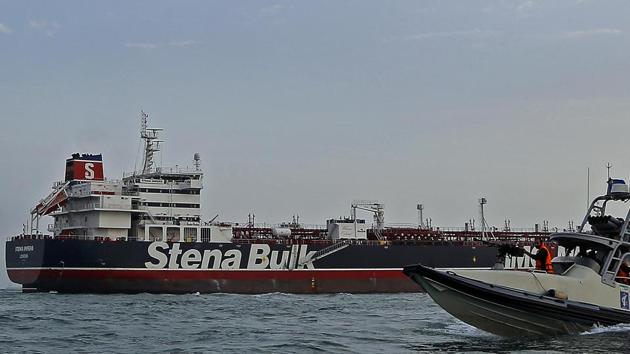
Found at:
(167, 199)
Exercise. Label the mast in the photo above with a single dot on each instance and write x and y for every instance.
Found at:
(482, 202)
(151, 143)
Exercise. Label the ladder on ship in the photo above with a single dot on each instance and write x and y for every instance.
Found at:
(326, 251)
(615, 260)
(611, 272)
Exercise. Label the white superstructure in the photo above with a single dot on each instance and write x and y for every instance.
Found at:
(347, 229)
(155, 204)
(94, 209)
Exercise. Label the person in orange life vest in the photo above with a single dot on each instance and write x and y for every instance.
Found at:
(623, 275)
(542, 257)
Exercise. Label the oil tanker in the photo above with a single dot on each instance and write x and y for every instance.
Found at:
(145, 233)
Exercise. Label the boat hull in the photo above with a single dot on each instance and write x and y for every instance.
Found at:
(508, 312)
(80, 266)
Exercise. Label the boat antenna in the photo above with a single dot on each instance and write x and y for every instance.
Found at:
(608, 167)
(483, 201)
(588, 187)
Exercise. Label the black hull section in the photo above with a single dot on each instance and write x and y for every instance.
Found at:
(129, 266)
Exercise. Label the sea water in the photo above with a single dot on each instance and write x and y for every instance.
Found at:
(271, 323)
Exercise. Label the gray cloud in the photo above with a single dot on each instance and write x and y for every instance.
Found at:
(592, 32)
(272, 10)
(525, 6)
(150, 45)
(49, 28)
(181, 43)
(4, 29)
(474, 33)
(141, 45)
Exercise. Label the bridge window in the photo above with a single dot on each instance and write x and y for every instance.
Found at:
(155, 233)
(205, 234)
(190, 234)
(172, 234)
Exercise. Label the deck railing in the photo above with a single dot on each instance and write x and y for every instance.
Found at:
(465, 241)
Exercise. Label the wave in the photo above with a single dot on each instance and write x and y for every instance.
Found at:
(622, 327)
(462, 329)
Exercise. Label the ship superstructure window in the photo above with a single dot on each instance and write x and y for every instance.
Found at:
(190, 234)
(173, 191)
(194, 219)
(155, 233)
(170, 205)
(172, 234)
(205, 234)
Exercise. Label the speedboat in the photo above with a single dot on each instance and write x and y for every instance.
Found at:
(589, 285)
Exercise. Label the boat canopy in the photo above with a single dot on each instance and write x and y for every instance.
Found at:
(608, 226)
(570, 241)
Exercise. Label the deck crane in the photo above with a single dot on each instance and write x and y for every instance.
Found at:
(373, 206)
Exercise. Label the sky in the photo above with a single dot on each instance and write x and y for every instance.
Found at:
(300, 107)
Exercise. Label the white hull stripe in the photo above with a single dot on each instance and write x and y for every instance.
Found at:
(223, 270)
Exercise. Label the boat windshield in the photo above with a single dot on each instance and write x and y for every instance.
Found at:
(581, 251)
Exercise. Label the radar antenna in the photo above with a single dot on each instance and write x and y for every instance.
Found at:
(197, 159)
(151, 143)
(420, 208)
(608, 167)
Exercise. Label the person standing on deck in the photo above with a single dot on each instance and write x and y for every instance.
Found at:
(623, 275)
(542, 258)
